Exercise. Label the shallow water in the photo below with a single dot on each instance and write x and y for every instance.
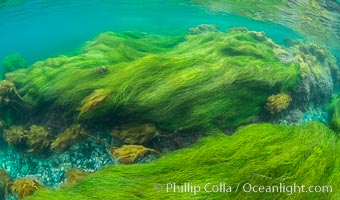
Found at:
(166, 92)
(39, 29)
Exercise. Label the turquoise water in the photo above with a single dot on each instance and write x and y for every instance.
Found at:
(38, 29)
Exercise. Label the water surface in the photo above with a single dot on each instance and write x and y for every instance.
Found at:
(38, 29)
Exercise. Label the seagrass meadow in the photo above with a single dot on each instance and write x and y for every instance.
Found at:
(185, 82)
(129, 90)
(260, 154)
(131, 114)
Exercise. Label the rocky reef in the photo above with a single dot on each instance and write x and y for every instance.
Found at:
(196, 81)
(177, 83)
(320, 75)
(130, 97)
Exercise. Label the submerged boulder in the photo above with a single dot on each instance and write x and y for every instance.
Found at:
(193, 82)
(203, 28)
(200, 81)
(319, 76)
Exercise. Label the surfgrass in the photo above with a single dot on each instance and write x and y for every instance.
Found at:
(185, 82)
(258, 154)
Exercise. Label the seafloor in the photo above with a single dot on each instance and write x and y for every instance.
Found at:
(132, 113)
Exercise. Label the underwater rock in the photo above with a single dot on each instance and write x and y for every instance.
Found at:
(261, 37)
(128, 154)
(74, 176)
(23, 187)
(50, 168)
(334, 67)
(5, 183)
(55, 120)
(72, 135)
(318, 76)
(237, 29)
(314, 49)
(284, 56)
(135, 134)
(195, 82)
(203, 28)
(295, 116)
(277, 103)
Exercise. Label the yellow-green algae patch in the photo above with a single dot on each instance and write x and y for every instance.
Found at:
(196, 81)
(259, 154)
